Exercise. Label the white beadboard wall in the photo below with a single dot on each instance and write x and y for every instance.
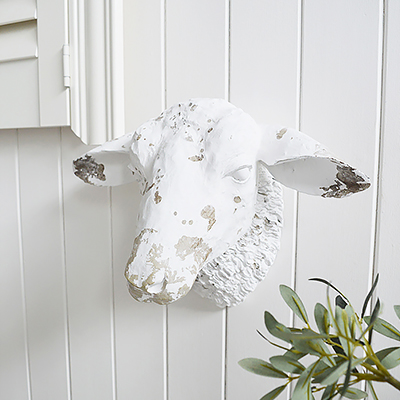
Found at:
(69, 329)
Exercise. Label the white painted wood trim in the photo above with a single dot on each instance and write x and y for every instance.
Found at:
(97, 84)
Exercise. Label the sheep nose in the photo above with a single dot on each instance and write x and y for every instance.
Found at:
(148, 280)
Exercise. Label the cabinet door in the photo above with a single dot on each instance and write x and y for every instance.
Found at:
(32, 92)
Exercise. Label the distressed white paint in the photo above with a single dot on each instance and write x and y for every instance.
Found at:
(263, 71)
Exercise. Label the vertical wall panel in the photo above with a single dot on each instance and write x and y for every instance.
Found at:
(43, 261)
(339, 109)
(195, 49)
(143, 61)
(195, 40)
(89, 279)
(13, 352)
(264, 84)
(388, 238)
(264, 59)
(138, 326)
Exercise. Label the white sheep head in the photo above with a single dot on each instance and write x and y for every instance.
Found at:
(207, 172)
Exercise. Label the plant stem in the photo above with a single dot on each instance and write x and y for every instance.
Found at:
(392, 381)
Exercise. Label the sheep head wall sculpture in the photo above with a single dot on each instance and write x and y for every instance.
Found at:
(211, 211)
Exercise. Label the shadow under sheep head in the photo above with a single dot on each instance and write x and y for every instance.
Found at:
(211, 210)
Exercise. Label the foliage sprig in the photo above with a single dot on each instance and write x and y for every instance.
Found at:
(340, 351)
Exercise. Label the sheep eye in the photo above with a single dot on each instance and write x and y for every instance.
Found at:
(241, 174)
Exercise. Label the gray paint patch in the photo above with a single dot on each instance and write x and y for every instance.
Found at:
(87, 167)
(196, 158)
(279, 135)
(157, 197)
(346, 183)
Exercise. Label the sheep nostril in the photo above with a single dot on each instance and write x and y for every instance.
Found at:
(157, 287)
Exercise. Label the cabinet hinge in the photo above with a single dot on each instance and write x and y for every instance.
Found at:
(66, 67)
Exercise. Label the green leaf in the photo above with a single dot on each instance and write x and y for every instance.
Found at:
(261, 367)
(374, 316)
(336, 372)
(370, 321)
(294, 354)
(275, 328)
(340, 302)
(369, 295)
(346, 380)
(302, 390)
(384, 328)
(321, 376)
(391, 360)
(289, 335)
(397, 311)
(310, 342)
(352, 320)
(287, 364)
(381, 354)
(328, 392)
(293, 301)
(353, 393)
(344, 331)
(322, 318)
(330, 285)
(273, 394)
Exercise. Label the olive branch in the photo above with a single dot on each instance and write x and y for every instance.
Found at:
(340, 351)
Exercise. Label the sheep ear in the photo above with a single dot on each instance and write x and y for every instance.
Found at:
(303, 164)
(108, 164)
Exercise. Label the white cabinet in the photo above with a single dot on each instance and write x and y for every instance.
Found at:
(32, 92)
(61, 63)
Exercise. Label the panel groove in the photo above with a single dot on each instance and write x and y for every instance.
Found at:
(22, 264)
(165, 355)
(299, 97)
(225, 312)
(108, 75)
(112, 302)
(227, 50)
(224, 353)
(163, 90)
(64, 266)
(300, 42)
(163, 15)
(378, 146)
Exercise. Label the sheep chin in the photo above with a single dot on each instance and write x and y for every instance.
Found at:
(229, 278)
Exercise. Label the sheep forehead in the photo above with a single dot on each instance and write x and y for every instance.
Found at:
(209, 126)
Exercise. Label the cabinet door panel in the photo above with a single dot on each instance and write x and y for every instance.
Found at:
(18, 41)
(32, 92)
(19, 92)
(16, 11)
